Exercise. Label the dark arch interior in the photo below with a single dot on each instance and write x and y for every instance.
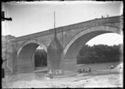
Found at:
(40, 57)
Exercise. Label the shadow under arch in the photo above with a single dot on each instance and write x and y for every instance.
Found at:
(73, 47)
(25, 56)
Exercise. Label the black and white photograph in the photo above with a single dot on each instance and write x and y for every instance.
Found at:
(62, 44)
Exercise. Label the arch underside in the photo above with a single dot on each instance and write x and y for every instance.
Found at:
(25, 59)
(74, 46)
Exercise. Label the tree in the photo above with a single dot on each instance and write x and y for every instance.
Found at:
(40, 58)
(99, 54)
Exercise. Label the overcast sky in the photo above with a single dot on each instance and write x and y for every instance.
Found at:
(28, 18)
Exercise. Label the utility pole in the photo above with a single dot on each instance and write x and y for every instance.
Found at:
(54, 26)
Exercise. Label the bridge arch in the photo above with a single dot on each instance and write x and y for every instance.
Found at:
(25, 56)
(31, 41)
(73, 47)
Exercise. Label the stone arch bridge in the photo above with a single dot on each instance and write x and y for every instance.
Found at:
(72, 38)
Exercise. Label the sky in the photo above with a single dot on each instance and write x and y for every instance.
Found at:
(106, 39)
(28, 18)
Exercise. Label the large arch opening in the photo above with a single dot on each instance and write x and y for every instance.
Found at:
(72, 49)
(101, 53)
(26, 58)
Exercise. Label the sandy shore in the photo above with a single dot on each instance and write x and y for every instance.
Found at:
(83, 80)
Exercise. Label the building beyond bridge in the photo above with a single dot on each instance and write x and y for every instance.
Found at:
(20, 52)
